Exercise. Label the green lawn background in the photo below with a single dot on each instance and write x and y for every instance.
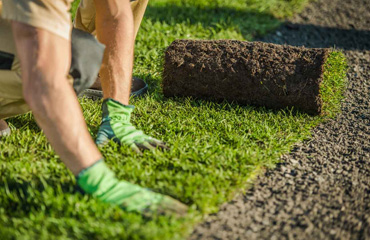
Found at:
(215, 148)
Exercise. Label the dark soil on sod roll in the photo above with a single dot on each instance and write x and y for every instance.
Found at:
(256, 73)
(322, 189)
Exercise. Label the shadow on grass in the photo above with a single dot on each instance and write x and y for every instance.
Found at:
(249, 23)
(254, 25)
(26, 121)
(224, 105)
(25, 192)
(313, 36)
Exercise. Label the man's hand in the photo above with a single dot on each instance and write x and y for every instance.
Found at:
(115, 29)
(99, 181)
(116, 126)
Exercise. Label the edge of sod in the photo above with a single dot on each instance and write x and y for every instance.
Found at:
(334, 83)
(332, 90)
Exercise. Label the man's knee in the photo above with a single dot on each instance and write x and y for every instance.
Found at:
(40, 49)
(42, 63)
(11, 108)
(138, 10)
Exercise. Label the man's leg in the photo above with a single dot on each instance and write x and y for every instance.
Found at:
(115, 29)
(4, 128)
(44, 57)
(138, 10)
(11, 97)
(85, 15)
(85, 20)
(10, 108)
(114, 24)
(86, 60)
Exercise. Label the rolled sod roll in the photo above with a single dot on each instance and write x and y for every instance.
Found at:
(251, 73)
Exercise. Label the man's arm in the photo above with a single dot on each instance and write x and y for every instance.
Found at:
(115, 29)
(45, 61)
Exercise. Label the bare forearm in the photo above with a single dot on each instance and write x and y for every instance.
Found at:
(58, 113)
(115, 29)
(51, 98)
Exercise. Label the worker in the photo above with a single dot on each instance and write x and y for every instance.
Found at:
(35, 63)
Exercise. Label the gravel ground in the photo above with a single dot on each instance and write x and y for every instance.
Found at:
(322, 189)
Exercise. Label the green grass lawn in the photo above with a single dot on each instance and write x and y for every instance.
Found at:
(215, 148)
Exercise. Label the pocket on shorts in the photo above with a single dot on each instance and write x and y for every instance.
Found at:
(6, 61)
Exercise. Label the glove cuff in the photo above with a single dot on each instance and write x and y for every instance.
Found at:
(99, 181)
(90, 178)
(80, 174)
(111, 101)
(111, 108)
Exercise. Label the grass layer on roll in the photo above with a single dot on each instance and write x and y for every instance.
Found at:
(334, 83)
(215, 148)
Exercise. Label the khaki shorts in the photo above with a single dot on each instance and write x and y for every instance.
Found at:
(85, 16)
(51, 15)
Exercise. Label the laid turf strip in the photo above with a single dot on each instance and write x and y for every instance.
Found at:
(322, 189)
(256, 73)
(216, 148)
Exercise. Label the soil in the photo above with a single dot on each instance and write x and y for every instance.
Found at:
(321, 190)
(251, 73)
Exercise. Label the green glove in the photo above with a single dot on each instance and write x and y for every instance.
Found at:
(116, 125)
(99, 181)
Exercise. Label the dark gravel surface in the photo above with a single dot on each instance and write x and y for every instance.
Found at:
(322, 189)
